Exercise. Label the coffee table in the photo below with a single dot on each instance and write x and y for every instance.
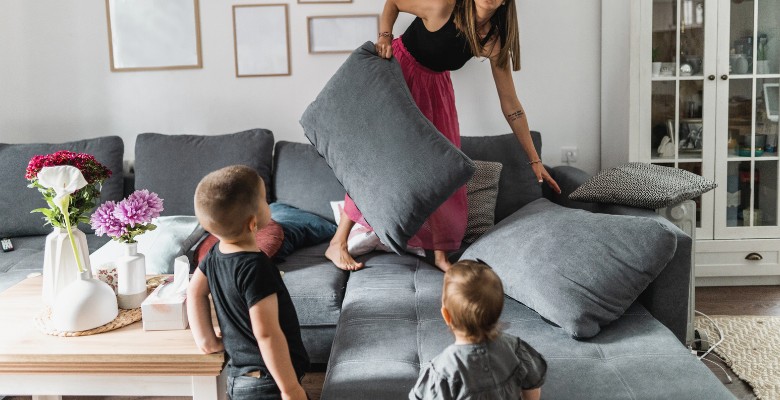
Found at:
(128, 361)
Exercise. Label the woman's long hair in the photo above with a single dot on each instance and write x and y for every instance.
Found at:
(503, 23)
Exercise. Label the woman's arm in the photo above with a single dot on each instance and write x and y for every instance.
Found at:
(434, 13)
(515, 116)
(199, 314)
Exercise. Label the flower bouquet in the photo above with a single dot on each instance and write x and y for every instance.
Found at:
(122, 222)
(82, 200)
(69, 184)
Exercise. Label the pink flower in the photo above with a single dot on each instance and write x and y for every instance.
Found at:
(129, 218)
(104, 222)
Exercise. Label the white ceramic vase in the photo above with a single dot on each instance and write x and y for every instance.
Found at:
(85, 304)
(131, 277)
(59, 264)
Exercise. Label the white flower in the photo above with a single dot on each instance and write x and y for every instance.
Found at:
(65, 180)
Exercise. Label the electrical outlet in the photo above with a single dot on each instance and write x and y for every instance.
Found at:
(569, 154)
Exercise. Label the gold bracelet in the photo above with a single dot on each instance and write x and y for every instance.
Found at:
(386, 34)
(534, 162)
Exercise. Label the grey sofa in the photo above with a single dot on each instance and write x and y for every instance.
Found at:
(375, 327)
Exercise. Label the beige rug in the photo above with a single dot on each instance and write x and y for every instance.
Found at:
(751, 347)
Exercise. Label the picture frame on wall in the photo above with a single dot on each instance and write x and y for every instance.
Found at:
(324, 1)
(148, 35)
(340, 33)
(261, 40)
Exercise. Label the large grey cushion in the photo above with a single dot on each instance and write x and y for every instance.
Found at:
(642, 185)
(18, 200)
(391, 159)
(304, 180)
(551, 259)
(172, 166)
(518, 185)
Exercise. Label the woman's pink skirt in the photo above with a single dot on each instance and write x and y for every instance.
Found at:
(433, 93)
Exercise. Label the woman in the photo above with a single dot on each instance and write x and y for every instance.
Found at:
(446, 34)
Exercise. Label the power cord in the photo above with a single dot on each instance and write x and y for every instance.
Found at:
(721, 337)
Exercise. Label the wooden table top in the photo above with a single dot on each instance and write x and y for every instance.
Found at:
(129, 350)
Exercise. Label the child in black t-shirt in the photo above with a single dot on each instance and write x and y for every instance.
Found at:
(259, 326)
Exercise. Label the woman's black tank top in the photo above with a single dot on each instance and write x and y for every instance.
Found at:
(443, 50)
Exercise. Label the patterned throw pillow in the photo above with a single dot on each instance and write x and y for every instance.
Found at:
(642, 185)
(482, 192)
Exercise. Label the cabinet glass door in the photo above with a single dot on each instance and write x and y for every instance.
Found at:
(748, 197)
(682, 127)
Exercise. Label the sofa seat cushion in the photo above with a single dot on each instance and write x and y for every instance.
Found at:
(315, 285)
(391, 324)
(27, 257)
(18, 200)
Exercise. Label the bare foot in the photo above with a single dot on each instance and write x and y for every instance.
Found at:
(338, 254)
(441, 261)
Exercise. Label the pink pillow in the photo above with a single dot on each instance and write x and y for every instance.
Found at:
(269, 241)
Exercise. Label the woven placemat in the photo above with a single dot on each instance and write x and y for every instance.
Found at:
(126, 317)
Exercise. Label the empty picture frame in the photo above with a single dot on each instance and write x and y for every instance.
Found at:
(323, 1)
(145, 35)
(261, 37)
(341, 33)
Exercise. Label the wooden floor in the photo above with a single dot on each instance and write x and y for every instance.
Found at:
(737, 300)
(746, 300)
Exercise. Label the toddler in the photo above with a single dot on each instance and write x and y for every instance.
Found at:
(483, 363)
(258, 323)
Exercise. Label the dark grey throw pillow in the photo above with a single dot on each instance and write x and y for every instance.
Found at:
(642, 185)
(482, 191)
(18, 200)
(172, 165)
(390, 159)
(578, 269)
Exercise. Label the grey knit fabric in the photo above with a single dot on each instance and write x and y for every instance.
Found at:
(642, 185)
(482, 192)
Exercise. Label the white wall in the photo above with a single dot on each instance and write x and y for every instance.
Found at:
(56, 84)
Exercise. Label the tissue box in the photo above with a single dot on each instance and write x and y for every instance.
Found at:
(166, 308)
(162, 312)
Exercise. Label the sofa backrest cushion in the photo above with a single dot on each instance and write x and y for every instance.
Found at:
(18, 200)
(518, 185)
(304, 180)
(172, 165)
(391, 159)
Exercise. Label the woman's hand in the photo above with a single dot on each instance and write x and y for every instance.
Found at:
(384, 47)
(543, 176)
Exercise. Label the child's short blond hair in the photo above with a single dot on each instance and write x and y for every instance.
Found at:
(226, 198)
(474, 297)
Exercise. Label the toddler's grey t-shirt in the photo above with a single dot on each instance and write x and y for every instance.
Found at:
(494, 370)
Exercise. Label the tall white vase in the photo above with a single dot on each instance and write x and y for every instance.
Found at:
(85, 304)
(59, 264)
(131, 277)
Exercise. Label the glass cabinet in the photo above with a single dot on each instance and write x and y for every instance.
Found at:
(707, 85)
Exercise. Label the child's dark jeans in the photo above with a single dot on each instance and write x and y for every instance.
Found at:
(253, 388)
